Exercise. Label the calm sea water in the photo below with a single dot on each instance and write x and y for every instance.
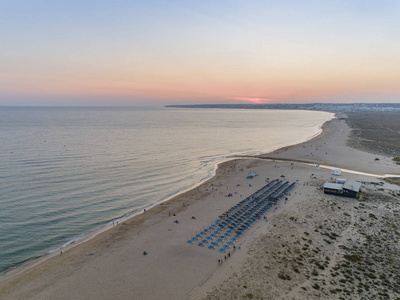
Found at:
(66, 172)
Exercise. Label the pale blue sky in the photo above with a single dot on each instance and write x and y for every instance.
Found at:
(159, 52)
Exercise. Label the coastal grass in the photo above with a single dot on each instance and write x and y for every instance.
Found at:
(376, 132)
(354, 254)
(392, 180)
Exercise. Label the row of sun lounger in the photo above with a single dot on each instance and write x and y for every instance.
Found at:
(235, 221)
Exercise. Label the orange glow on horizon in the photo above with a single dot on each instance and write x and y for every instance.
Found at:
(244, 87)
(254, 100)
(197, 52)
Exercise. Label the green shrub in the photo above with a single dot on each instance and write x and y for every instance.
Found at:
(352, 258)
(316, 286)
(283, 276)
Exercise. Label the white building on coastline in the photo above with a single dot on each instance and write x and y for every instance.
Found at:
(350, 188)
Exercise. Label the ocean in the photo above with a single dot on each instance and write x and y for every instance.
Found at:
(68, 172)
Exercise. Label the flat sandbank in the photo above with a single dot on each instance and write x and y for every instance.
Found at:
(281, 258)
(330, 148)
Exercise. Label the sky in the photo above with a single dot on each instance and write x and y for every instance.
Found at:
(95, 52)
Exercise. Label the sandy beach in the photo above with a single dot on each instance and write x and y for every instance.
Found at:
(313, 246)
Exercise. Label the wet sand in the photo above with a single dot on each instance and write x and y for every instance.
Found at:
(111, 265)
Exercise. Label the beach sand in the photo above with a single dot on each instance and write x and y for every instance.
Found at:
(276, 260)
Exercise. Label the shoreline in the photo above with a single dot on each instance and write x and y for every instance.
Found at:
(180, 203)
(109, 224)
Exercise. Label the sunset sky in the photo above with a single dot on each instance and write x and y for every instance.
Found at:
(96, 52)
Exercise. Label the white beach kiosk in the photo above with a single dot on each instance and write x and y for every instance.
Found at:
(336, 172)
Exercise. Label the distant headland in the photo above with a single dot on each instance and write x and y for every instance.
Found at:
(329, 107)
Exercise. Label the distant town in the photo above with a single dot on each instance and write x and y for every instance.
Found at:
(330, 107)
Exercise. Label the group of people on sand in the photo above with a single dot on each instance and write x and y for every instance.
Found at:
(220, 261)
(176, 221)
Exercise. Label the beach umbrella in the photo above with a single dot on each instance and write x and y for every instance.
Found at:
(214, 243)
(222, 250)
(205, 230)
(211, 247)
(226, 246)
(202, 232)
(190, 241)
(229, 243)
(204, 241)
(198, 235)
(233, 239)
(209, 238)
(212, 234)
(201, 244)
(219, 240)
(194, 238)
